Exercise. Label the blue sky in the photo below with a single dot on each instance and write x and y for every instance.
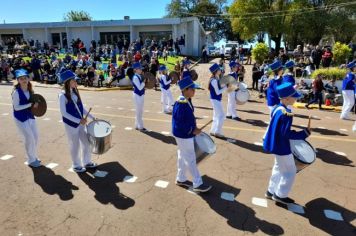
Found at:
(20, 11)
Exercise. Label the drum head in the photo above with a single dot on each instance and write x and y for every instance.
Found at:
(99, 128)
(205, 143)
(242, 86)
(42, 105)
(242, 96)
(303, 151)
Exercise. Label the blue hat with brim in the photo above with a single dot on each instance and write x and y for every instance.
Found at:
(289, 64)
(137, 65)
(162, 68)
(186, 62)
(214, 68)
(351, 65)
(232, 64)
(67, 75)
(275, 65)
(287, 90)
(187, 82)
(20, 73)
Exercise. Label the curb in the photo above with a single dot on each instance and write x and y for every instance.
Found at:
(315, 106)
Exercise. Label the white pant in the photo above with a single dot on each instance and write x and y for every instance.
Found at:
(231, 104)
(187, 161)
(218, 117)
(29, 135)
(139, 102)
(349, 101)
(167, 100)
(78, 142)
(283, 175)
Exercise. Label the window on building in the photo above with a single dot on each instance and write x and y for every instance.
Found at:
(113, 37)
(56, 39)
(157, 37)
(10, 39)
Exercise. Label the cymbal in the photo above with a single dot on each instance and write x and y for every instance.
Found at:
(42, 105)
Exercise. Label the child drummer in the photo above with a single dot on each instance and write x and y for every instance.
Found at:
(166, 97)
(276, 141)
(184, 129)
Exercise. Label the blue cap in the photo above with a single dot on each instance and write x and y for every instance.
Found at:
(351, 65)
(275, 65)
(187, 82)
(186, 74)
(232, 64)
(214, 68)
(66, 75)
(289, 64)
(20, 73)
(186, 62)
(162, 68)
(287, 90)
(137, 65)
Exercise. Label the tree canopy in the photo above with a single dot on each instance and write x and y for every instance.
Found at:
(77, 16)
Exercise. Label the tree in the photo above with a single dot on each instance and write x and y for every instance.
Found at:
(77, 16)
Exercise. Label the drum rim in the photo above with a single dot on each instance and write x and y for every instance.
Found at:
(205, 134)
(308, 163)
(111, 129)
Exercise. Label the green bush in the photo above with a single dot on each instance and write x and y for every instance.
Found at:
(260, 52)
(330, 73)
(341, 53)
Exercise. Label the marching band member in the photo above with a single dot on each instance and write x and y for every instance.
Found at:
(272, 96)
(348, 91)
(24, 119)
(165, 82)
(73, 113)
(184, 129)
(231, 99)
(288, 76)
(138, 95)
(185, 68)
(277, 142)
(215, 98)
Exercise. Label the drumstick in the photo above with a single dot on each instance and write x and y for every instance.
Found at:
(206, 124)
(309, 123)
(86, 116)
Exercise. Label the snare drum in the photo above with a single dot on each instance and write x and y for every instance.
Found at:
(204, 146)
(242, 94)
(303, 152)
(99, 135)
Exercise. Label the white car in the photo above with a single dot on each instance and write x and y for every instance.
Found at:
(229, 46)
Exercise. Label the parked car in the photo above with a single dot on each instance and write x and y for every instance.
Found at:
(229, 46)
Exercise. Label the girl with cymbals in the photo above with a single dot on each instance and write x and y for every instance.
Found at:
(165, 82)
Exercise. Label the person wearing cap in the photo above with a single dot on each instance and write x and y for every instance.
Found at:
(277, 142)
(184, 129)
(348, 91)
(166, 97)
(138, 95)
(231, 100)
(73, 116)
(185, 68)
(288, 76)
(215, 98)
(272, 96)
(24, 119)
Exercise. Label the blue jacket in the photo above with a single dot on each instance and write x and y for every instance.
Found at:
(71, 109)
(213, 94)
(272, 96)
(288, 78)
(25, 114)
(279, 132)
(348, 82)
(183, 119)
(136, 90)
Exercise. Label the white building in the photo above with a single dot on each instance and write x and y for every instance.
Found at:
(62, 33)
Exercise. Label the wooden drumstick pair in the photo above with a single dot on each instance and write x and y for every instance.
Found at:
(86, 116)
(309, 123)
(206, 124)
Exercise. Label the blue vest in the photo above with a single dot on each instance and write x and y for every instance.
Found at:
(136, 90)
(71, 109)
(272, 96)
(348, 83)
(183, 119)
(234, 74)
(288, 78)
(213, 94)
(24, 114)
(165, 87)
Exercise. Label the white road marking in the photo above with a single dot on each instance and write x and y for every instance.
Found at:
(147, 111)
(258, 144)
(100, 173)
(108, 107)
(113, 126)
(345, 130)
(161, 184)
(159, 112)
(71, 170)
(227, 196)
(46, 119)
(341, 154)
(296, 208)
(334, 215)
(321, 127)
(128, 128)
(52, 165)
(132, 110)
(165, 133)
(120, 108)
(6, 157)
(5, 114)
(130, 179)
(266, 122)
(205, 117)
(60, 121)
(259, 201)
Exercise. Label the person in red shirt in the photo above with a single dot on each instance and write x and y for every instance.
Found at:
(327, 57)
(138, 56)
(318, 87)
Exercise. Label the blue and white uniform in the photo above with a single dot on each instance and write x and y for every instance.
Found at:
(231, 100)
(348, 93)
(218, 112)
(25, 123)
(183, 126)
(138, 96)
(166, 96)
(272, 96)
(288, 78)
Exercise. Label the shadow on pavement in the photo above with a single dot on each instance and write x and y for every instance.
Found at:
(106, 190)
(238, 215)
(253, 112)
(305, 117)
(333, 158)
(323, 131)
(161, 137)
(254, 122)
(204, 108)
(243, 144)
(53, 184)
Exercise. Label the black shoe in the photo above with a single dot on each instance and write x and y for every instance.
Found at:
(285, 200)
(268, 195)
(186, 183)
(202, 188)
(236, 118)
(228, 117)
(307, 106)
(91, 165)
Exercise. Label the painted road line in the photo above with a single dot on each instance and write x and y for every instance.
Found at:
(128, 128)
(341, 154)
(259, 201)
(165, 133)
(258, 144)
(52, 165)
(161, 184)
(6, 157)
(130, 179)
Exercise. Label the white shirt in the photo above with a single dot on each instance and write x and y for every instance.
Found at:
(16, 100)
(137, 82)
(62, 106)
(222, 50)
(164, 80)
(214, 83)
